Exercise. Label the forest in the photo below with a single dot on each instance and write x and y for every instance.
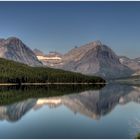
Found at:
(15, 72)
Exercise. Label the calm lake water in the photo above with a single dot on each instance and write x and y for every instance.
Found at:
(112, 111)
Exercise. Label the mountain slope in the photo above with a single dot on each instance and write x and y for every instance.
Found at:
(94, 59)
(14, 49)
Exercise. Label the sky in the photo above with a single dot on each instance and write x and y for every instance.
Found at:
(60, 26)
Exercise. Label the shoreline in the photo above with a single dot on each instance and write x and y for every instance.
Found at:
(14, 84)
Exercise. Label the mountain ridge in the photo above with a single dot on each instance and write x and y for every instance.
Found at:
(93, 58)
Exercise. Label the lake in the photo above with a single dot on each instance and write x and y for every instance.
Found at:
(111, 111)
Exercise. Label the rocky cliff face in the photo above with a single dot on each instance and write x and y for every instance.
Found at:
(14, 49)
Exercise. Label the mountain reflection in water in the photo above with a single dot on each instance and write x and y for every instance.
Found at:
(93, 103)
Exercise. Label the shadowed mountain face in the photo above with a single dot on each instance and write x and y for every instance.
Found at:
(90, 103)
(14, 49)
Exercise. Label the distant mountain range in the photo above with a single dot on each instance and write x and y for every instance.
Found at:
(93, 58)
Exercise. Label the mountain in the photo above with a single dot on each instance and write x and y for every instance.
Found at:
(15, 72)
(94, 58)
(14, 49)
(133, 64)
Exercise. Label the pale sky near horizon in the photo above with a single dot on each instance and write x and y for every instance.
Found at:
(59, 26)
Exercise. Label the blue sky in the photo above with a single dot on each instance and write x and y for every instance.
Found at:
(59, 26)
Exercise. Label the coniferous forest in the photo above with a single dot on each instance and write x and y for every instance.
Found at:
(14, 72)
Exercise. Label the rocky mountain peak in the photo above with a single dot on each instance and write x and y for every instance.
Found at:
(14, 49)
(96, 43)
(10, 41)
(13, 40)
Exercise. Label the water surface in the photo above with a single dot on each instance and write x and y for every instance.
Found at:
(112, 111)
